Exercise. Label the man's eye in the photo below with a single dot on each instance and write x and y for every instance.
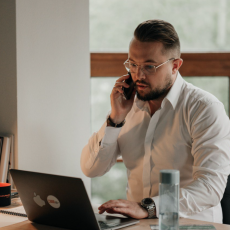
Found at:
(149, 67)
(132, 64)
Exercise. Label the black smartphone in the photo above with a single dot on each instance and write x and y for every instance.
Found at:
(128, 91)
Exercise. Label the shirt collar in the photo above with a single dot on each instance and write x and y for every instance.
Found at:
(172, 96)
(174, 92)
(140, 105)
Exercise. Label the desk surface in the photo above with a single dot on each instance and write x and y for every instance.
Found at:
(21, 223)
(143, 225)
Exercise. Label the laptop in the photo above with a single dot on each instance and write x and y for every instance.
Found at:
(61, 201)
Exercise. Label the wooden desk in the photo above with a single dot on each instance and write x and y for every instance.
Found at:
(143, 225)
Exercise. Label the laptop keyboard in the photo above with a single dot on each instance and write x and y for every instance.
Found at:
(106, 225)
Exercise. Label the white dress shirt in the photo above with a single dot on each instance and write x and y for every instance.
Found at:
(190, 133)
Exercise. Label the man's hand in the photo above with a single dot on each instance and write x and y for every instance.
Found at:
(124, 207)
(120, 107)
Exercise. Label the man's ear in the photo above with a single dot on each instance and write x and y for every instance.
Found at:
(176, 65)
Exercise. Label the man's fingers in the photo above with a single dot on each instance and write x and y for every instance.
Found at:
(113, 206)
(124, 77)
(121, 84)
(123, 211)
(118, 89)
(102, 211)
(113, 203)
(111, 211)
(124, 207)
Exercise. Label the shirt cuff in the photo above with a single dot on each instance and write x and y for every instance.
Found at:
(110, 137)
(156, 201)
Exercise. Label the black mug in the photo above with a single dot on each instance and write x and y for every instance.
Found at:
(5, 194)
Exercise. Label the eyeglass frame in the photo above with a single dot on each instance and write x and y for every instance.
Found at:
(152, 65)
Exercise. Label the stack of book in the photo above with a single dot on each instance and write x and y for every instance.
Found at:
(6, 158)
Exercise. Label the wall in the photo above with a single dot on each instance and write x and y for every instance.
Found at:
(53, 85)
(8, 82)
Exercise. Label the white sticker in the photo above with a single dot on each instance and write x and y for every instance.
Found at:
(53, 201)
(38, 200)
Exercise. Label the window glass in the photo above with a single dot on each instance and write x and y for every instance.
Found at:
(201, 25)
(112, 184)
(101, 88)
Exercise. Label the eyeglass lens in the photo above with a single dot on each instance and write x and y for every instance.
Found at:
(132, 67)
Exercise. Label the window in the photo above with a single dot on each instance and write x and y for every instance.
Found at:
(203, 26)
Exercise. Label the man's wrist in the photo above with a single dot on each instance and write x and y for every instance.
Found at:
(145, 211)
(116, 119)
(111, 123)
(149, 205)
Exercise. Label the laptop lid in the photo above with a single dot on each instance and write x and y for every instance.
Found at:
(60, 201)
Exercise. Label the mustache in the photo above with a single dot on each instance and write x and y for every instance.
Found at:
(140, 82)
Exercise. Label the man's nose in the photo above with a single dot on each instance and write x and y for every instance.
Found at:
(140, 74)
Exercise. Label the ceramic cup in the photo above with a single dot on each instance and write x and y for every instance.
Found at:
(5, 194)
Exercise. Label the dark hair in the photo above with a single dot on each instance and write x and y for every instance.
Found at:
(158, 31)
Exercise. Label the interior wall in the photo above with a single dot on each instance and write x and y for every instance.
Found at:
(51, 79)
(8, 83)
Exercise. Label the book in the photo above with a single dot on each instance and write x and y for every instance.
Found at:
(11, 163)
(1, 141)
(18, 211)
(5, 157)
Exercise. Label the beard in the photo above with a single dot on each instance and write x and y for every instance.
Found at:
(156, 93)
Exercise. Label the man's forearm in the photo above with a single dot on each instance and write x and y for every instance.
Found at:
(101, 152)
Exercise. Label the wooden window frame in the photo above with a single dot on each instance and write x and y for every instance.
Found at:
(195, 64)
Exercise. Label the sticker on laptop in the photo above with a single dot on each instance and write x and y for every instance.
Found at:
(38, 200)
(53, 201)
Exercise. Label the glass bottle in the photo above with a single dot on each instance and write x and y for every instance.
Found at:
(169, 199)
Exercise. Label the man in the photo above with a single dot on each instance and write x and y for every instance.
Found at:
(170, 124)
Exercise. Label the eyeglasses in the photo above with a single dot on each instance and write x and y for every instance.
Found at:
(147, 69)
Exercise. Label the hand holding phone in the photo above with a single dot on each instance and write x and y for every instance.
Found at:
(127, 92)
(121, 98)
